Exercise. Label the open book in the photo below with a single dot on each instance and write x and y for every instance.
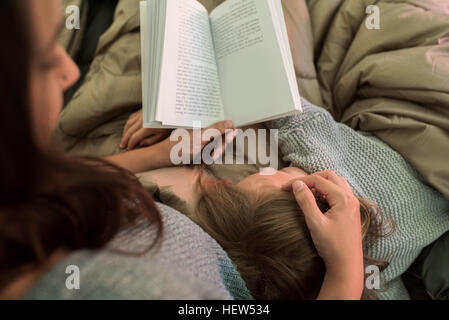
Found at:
(232, 64)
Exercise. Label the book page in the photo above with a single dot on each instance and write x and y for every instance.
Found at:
(254, 81)
(150, 34)
(190, 88)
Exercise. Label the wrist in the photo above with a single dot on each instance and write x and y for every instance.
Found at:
(346, 262)
(350, 277)
(163, 149)
(347, 272)
(341, 286)
(346, 267)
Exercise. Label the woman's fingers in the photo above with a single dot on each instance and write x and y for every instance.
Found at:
(307, 203)
(151, 140)
(219, 128)
(129, 133)
(335, 178)
(147, 137)
(222, 126)
(135, 116)
(229, 138)
(333, 193)
(137, 137)
(133, 119)
(337, 234)
(328, 174)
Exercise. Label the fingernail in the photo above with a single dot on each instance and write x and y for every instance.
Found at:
(297, 186)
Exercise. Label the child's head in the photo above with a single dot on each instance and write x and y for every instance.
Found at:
(264, 232)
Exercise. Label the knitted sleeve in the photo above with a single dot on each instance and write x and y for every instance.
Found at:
(188, 264)
(314, 141)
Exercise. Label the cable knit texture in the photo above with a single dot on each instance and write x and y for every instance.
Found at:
(315, 142)
(188, 265)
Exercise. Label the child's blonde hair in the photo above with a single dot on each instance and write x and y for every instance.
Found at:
(265, 235)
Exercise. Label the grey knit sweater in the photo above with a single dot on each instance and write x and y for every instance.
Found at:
(314, 142)
(188, 265)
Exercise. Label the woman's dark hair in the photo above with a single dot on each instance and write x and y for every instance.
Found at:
(50, 201)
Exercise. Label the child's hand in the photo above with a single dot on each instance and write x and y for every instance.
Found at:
(337, 233)
(134, 135)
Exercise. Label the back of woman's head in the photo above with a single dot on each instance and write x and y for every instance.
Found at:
(49, 201)
(265, 234)
(19, 157)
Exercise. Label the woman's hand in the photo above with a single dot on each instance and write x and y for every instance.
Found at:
(158, 155)
(223, 132)
(135, 135)
(337, 233)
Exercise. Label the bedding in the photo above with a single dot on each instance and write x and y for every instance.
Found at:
(392, 82)
(314, 142)
(96, 17)
(432, 267)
